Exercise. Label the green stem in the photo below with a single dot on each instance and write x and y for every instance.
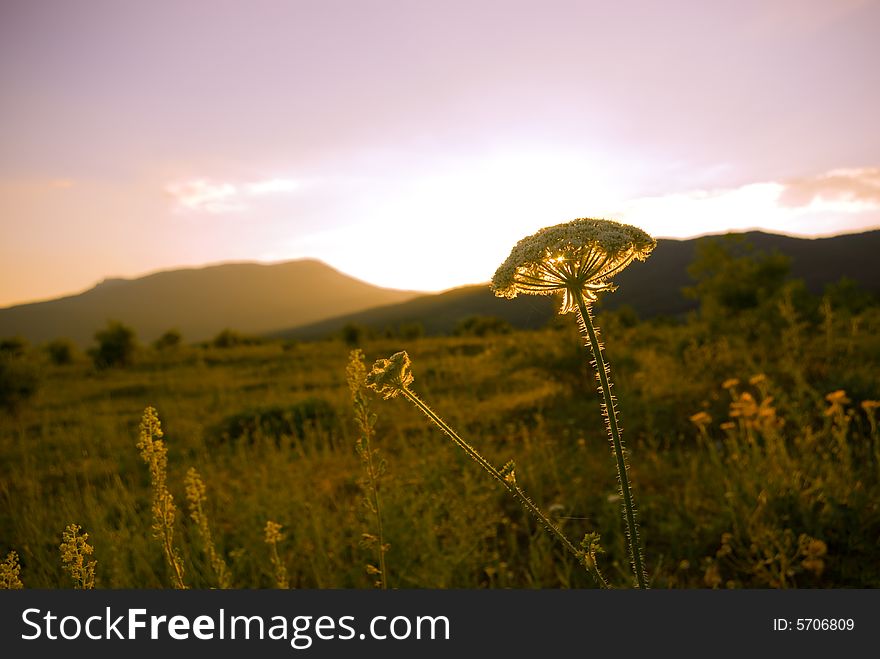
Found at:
(586, 561)
(610, 409)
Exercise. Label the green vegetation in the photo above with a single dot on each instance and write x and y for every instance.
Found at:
(170, 340)
(117, 345)
(753, 438)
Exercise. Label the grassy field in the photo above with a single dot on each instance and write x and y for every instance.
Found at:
(749, 470)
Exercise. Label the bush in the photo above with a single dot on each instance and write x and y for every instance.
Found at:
(482, 326)
(276, 422)
(354, 334)
(169, 340)
(19, 381)
(61, 351)
(412, 331)
(117, 344)
(14, 346)
(230, 338)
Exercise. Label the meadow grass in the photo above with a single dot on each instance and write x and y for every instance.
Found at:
(775, 485)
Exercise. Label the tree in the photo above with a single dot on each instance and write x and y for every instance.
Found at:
(847, 295)
(731, 277)
(61, 351)
(117, 344)
(169, 340)
(354, 334)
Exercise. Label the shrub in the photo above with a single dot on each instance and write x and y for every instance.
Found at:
(14, 346)
(277, 421)
(169, 340)
(482, 326)
(230, 338)
(61, 351)
(354, 334)
(117, 344)
(19, 381)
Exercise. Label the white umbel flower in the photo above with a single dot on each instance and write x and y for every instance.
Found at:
(581, 255)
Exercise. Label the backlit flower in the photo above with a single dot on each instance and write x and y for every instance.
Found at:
(391, 376)
(581, 255)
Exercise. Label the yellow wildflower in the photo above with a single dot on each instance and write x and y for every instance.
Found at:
(701, 419)
(836, 399)
(10, 569)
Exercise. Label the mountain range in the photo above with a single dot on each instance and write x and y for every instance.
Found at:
(307, 299)
(652, 288)
(200, 302)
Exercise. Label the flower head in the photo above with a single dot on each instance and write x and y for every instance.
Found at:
(701, 420)
(837, 400)
(391, 376)
(273, 533)
(577, 256)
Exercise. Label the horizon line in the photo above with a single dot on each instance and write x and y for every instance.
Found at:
(261, 262)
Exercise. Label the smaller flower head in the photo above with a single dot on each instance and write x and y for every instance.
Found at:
(701, 419)
(578, 256)
(391, 376)
(273, 533)
(837, 400)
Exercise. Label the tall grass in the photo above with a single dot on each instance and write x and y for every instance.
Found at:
(778, 490)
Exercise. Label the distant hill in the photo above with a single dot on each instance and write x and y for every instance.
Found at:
(200, 302)
(652, 288)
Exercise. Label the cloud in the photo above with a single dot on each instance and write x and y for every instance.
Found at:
(215, 197)
(816, 204)
(858, 188)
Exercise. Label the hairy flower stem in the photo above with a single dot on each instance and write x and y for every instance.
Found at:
(610, 410)
(587, 561)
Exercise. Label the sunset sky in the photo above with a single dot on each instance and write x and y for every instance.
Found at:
(412, 143)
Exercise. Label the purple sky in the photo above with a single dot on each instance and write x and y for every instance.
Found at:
(411, 144)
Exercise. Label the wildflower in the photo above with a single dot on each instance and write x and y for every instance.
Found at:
(758, 379)
(196, 495)
(813, 550)
(273, 532)
(701, 420)
(374, 466)
(272, 536)
(10, 569)
(155, 454)
(836, 399)
(712, 576)
(578, 259)
(755, 415)
(728, 425)
(745, 407)
(869, 405)
(391, 376)
(578, 256)
(74, 550)
(730, 383)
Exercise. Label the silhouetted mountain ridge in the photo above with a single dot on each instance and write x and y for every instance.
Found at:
(652, 288)
(247, 297)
